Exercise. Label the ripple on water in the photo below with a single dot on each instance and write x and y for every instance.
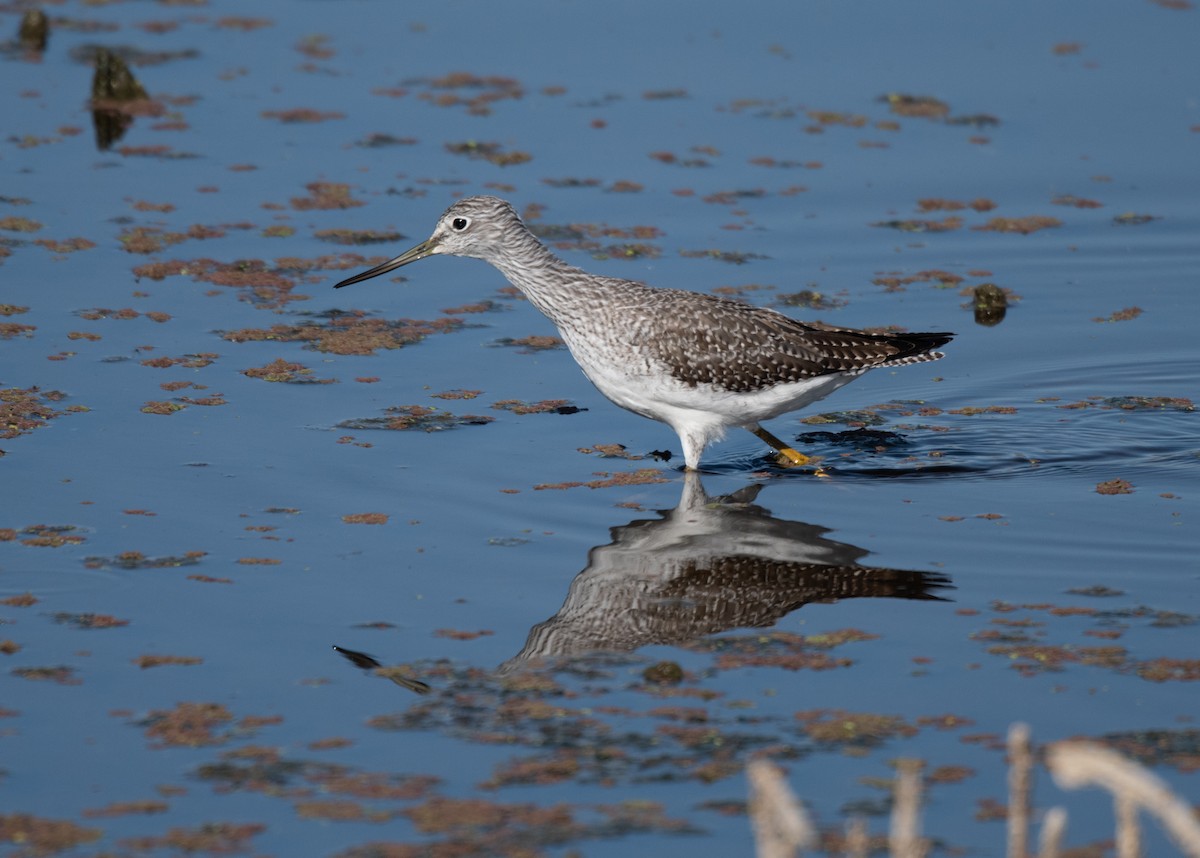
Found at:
(1085, 418)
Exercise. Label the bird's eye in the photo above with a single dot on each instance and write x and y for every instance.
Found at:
(460, 223)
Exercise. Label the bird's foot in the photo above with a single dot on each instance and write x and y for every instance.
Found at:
(789, 458)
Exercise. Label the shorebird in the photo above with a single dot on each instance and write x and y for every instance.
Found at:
(698, 363)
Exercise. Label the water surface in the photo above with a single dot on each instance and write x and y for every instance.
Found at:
(174, 582)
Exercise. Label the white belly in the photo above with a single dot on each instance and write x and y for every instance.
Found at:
(661, 397)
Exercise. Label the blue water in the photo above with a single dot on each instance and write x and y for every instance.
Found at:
(470, 544)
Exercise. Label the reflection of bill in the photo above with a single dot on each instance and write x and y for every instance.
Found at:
(709, 565)
(367, 662)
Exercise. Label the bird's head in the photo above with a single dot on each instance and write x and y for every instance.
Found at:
(474, 226)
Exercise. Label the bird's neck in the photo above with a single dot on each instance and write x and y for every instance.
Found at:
(553, 286)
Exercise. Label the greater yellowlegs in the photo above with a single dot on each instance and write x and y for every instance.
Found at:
(698, 363)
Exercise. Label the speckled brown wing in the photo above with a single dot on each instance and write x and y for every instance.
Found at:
(771, 348)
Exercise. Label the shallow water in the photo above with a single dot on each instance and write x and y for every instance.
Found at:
(955, 572)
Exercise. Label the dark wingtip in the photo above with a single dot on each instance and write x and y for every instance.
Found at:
(935, 339)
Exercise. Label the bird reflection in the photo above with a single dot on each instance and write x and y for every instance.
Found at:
(709, 565)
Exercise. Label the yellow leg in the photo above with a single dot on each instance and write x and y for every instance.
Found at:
(789, 457)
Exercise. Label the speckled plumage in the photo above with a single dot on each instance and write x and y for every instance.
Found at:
(696, 362)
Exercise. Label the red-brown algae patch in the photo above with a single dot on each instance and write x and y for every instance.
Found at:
(560, 766)
(350, 334)
(325, 196)
(475, 92)
(51, 535)
(1021, 642)
(147, 661)
(733, 257)
(479, 816)
(459, 635)
(645, 476)
(934, 204)
(214, 399)
(8, 330)
(341, 810)
(150, 239)
(290, 372)
(365, 518)
(1175, 748)
(486, 306)
(242, 24)
(1033, 659)
(67, 245)
(783, 650)
(1132, 219)
(545, 406)
(358, 236)
(19, 224)
(1020, 225)
(1134, 403)
(89, 621)
(147, 206)
(947, 224)
(208, 579)
(1076, 202)
(810, 299)
(1170, 670)
(264, 286)
(212, 838)
(610, 451)
(977, 410)
(305, 115)
(138, 560)
(1124, 315)
(945, 722)
(853, 731)
(918, 106)
(60, 674)
(331, 744)
(197, 725)
(24, 409)
(531, 344)
(39, 836)
(127, 808)
(403, 418)
(161, 408)
(378, 140)
(124, 313)
(192, 361)
(588, 237)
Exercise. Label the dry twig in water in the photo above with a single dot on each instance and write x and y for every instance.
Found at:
(904, 840)
(780, 823)
(1080, 764)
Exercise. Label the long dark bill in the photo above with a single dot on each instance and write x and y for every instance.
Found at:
(425, 248)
